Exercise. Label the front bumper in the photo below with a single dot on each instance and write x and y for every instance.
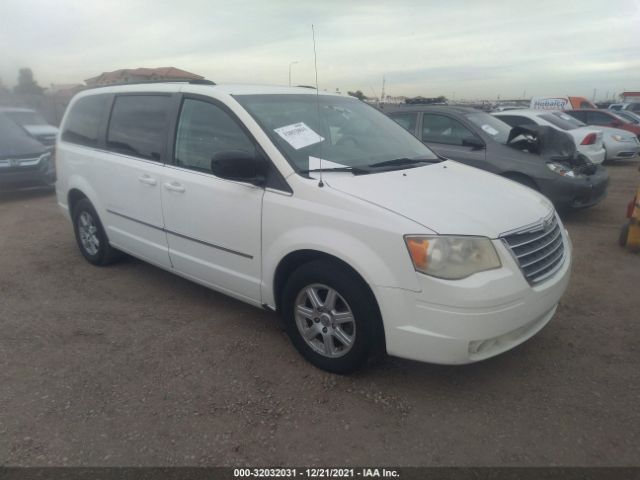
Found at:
(464, 321)
(622, 150)
(43, 173)
(581, 192)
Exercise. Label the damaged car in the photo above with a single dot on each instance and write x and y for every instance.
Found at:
(540, 157)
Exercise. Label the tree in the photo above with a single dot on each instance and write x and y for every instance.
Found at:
(3, 88)
(26, 83)
(358, 94)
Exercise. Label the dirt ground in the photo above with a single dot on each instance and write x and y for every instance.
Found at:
(131, 365)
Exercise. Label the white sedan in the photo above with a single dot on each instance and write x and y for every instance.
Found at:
(589, 140)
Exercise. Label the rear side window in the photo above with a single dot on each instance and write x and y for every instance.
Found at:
(138, 125)
(406, 120)
(83, 121)
(599, 118)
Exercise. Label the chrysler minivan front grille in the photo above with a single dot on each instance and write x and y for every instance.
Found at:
(539, 250)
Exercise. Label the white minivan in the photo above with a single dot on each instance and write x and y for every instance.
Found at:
(319, 207)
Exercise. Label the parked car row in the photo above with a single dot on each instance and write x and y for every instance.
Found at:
(26, 149)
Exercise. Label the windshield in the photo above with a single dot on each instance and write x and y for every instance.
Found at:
(491, 125)
(26, 118)
(345, 131)
(562, 120)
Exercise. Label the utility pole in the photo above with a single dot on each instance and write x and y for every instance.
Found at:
(382, 93)
(594, 94)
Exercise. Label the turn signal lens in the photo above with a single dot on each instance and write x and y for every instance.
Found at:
(418, 250)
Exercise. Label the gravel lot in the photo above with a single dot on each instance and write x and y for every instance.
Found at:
(131, 365)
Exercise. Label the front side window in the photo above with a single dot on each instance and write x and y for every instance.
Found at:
(441, 129)
(83, 120)
(205, 130)
(406, 120)
(491, 125)
(343, 130)
(138, 125)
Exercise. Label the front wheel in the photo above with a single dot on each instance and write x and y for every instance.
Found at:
(331, 317)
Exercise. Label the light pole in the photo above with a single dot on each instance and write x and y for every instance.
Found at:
(290, 65)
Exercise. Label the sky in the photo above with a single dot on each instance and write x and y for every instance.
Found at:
(459, 49)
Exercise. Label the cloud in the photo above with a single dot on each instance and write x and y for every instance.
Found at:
(476, 49)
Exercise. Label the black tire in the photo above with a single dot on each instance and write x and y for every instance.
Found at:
(522, 180)
(104, 253)
(369, 333)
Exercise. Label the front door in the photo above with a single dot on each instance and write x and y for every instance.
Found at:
(213, 225)
(451, 139)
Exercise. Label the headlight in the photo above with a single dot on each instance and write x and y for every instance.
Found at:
(449, 257)
(560, 169)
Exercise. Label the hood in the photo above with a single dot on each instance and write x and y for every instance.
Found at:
(37, 130)
(618, 131)
(449, 198)
(14, 141)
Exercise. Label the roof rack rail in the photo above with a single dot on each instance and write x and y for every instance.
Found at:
(200, 81)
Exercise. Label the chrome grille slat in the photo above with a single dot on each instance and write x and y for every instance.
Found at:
(547, 255)
(551, 259)
(555, 237)
(538, 250)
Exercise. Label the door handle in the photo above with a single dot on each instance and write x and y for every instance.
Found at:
(147, 180)
(174, 187)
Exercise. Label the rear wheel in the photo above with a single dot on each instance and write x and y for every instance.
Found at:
(331, 317)
(90, 235)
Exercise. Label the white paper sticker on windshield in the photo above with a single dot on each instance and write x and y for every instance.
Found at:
(299, 135)
(489, 129)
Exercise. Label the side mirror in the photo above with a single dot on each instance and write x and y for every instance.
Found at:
(473, 142)
(240, 166)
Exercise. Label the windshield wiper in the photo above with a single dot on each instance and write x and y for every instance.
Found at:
(404, 161)
(354, 170)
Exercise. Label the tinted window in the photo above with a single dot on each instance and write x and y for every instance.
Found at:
(560, 120)
(634, 107)
(406, 120)
(491, 125)
(83, 121)
(516, 120)
(582, 116)
(441, 129)
(204, 130)
(599, 118)
(138, 125)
